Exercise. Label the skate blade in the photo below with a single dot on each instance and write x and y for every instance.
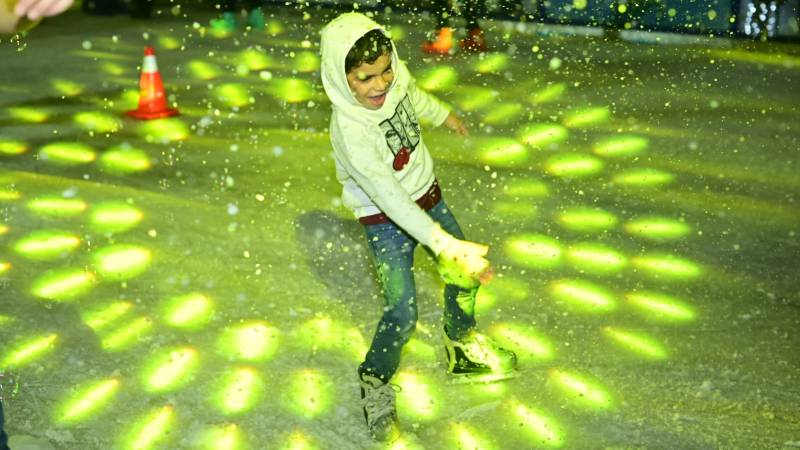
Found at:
(477, 378)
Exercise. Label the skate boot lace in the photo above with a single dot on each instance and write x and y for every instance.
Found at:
(379, 401)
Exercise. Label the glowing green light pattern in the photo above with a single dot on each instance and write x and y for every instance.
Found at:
(542, 135)
(305, 62)
(27, 351)
(620, 146)
(168, 42)
(572, 165)
(123, 159)
(508, 210)
(26, 114)
(9, 195)
(4, 266)
(587, 219)
(151, 430)
(170, 370)
(323, 332)
(188, 311)
(275, 27)
(504, 288)
(87, 401)
(202, 70)
(121, 261)
(114, 217)
(668, 266)
(643, 177)
(126, 335)
(583, 295)
(255, 60)
(502, 113)
(62, 284)
(97, 122)
(163, 130)
(99, 318)
(67, 153)
(534, 250)
(544, 430)
(310, 393)
(291, 90)
(586, 117)
(4, 228)
(12, 148)
(660, 307)
(527, 188)
(397, 33)
(129, 99)
(490, 63)
(46, 244)
(419, 349)
(5, 319)
(241, 389)
(233, 95)
(526, 343)
(502, 152)
(66, 88)
(464, 437)
(220, 437)
(418, 398)
(657, 228)
(549, 93)
(111, 68)
(637, 343)
(580, 390)
(438, 79)
(298, 441)
(251, 341)
(476, 97)
(596, 258)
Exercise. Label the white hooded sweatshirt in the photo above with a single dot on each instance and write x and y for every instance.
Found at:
(366, 142)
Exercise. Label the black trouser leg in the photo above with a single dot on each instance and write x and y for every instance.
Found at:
(3, 436)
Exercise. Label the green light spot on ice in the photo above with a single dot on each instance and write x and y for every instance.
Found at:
(4, 266)
(490, 63)
(202, 70)
(587, 219)
(121, 262)
(291, 90)
(298, 441)
(97, 122)
(502, 152)
(255, 60)
(580, 390)
(596, 258)
(637, 343)
(467, 438)
(233, 95)
(128, 99)
(126, 335)
(668, 266)
(419, 399)
(67, 153)
(544, 430)
(11, 148)
(189, 311)
(586, 117)
(504, 210)
(170, 370)
(87, 401)
(46, 244)
(542, 134)
(474, 98)
(620, 146)
(111, 68)
(660, 307)
(241, 389)
(163, 130)
(439, 78)
(503, 113)
(421, 350)
(534, 251)
(527, 188)
(219, 437)
(4, 228)
(583, 295)
(643, 177)
(657, 228)
(573, 165)
(32, 115)
(169, 42)
(252, 341)
(324, 332)
(309, 393)
(9, 195)
(66, 88)
(114, 217)
(548, 94)
(305, 62)
(527, 344)
(27, 351)
(62, 284)
(99, 318)
(152, 430)
(124, 159)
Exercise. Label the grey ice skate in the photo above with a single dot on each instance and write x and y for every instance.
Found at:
(477, 358)
(380, 412)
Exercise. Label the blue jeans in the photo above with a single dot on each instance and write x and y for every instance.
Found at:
(393, 255)
(3, 437)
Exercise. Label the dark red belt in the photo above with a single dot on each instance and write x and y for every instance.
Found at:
(428, 200)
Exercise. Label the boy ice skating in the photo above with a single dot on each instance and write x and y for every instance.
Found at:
(387, 176)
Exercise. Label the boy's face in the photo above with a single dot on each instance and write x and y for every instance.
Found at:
(370, 82)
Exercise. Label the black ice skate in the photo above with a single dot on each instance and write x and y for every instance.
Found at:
(380, 412)
(477, 358)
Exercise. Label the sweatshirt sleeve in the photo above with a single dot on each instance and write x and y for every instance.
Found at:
(364, 164)
(426, 105)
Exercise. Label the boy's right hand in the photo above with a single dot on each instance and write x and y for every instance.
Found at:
(462, 263)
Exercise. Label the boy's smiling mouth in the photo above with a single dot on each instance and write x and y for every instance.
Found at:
(378, 99)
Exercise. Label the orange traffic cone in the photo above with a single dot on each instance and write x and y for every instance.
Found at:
(152, 102)
(443, 43)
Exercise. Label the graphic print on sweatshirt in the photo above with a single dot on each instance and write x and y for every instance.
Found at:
(402, 133)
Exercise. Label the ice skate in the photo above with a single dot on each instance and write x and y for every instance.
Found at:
(380, 412)
(477, 358)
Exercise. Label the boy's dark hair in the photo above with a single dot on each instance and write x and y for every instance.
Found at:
(367, 49)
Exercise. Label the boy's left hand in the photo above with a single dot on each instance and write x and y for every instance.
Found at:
(456, 124)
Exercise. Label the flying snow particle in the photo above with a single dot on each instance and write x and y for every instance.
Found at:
(232, 209)
(87, 45)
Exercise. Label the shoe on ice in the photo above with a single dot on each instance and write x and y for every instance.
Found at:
(443, 43)
(475, 41)
(380, 412)
(477, 354)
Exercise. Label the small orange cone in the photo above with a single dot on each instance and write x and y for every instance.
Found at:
(152, 102)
